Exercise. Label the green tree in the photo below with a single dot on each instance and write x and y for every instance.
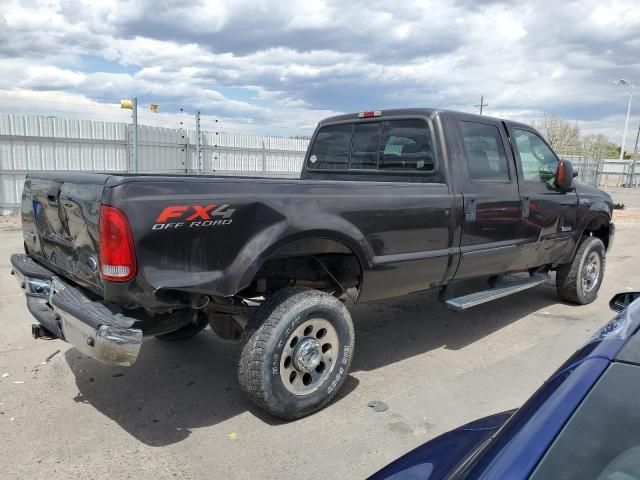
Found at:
(564, 137)
(600, 145)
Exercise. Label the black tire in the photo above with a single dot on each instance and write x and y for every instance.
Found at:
(198, 324)
(270, 335)
(569, 276)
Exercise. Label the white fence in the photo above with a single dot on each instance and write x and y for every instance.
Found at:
(45, 143)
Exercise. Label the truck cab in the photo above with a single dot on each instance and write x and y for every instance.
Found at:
(495, 182)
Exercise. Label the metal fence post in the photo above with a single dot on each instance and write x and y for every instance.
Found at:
(634, 156)
(599, 167)
(187, 158)
(198, 142)
(127, 147)
(135, 135)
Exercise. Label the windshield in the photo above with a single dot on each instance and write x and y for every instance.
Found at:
(601, 440)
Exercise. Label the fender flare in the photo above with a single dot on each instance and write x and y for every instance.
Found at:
(359, 247)
(595, 218)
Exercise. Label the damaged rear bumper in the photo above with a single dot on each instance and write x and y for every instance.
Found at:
(66, 312)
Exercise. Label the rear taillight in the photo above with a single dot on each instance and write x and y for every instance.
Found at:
(117, 253)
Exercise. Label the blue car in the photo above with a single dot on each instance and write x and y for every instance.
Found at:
(583, 423)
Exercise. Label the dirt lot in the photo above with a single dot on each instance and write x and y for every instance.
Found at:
(179, 412)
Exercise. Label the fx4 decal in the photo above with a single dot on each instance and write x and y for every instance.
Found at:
(193, 216)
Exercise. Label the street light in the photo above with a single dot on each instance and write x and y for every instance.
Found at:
(632, 86)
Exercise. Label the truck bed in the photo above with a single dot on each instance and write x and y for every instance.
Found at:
(208, 234)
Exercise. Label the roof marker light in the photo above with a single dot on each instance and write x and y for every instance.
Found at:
(374, 113)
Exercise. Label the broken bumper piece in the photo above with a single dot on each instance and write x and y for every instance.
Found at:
(66, 312)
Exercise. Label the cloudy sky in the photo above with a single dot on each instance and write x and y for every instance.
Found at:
(280, 66)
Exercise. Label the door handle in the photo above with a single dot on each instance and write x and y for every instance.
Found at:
(470, 207)
(526, 210)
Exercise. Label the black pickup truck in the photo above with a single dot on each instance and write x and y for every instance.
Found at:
(388, 203)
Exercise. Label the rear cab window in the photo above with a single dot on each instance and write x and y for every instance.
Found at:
(376, 147)
(331, 148)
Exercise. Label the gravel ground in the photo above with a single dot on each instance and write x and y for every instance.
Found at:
(179, 411)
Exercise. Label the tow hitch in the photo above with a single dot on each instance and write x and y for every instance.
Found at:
(39, 332)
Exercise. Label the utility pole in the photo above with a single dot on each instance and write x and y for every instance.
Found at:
(198, 142)
(481, 104)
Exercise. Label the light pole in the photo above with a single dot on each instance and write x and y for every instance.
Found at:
(132, 105)
(632, 86)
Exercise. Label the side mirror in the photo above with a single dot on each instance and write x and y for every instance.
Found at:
(620, 301)
(564, 176)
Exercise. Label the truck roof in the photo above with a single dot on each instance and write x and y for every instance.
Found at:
(425, 112)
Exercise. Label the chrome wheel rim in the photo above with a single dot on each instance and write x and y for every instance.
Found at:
(308, 356)
(591, 272)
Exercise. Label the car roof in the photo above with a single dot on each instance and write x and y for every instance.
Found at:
(422, 112)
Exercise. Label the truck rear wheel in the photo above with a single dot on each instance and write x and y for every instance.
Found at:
(296, 352)
(579, 281)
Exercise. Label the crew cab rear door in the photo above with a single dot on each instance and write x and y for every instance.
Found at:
(490, 240)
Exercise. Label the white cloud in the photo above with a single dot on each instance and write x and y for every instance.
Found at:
(283, 65)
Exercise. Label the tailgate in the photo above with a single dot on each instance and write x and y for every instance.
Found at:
(60, 217)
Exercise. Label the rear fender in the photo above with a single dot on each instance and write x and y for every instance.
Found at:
(356, 243)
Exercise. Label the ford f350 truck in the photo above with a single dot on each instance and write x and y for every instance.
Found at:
(388, 203)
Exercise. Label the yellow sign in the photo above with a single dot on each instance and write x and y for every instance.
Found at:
(128, 104)
(154, 107)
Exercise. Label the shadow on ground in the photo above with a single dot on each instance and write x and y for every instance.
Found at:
(391, 331)
(176, 387)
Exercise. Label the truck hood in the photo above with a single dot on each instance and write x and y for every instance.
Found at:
(585, 190)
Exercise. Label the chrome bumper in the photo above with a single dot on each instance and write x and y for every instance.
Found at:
(67, 313)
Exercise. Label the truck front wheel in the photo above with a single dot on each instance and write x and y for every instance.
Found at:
(579, 281)
(296, 352)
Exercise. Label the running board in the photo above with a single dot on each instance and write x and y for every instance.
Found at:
(498, 291)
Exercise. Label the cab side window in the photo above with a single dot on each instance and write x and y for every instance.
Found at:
(538, 161)
(485, 152)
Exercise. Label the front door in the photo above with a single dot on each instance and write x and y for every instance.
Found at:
(490, 240)
(549, 215)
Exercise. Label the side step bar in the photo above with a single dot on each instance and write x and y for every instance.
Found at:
(501, 289)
